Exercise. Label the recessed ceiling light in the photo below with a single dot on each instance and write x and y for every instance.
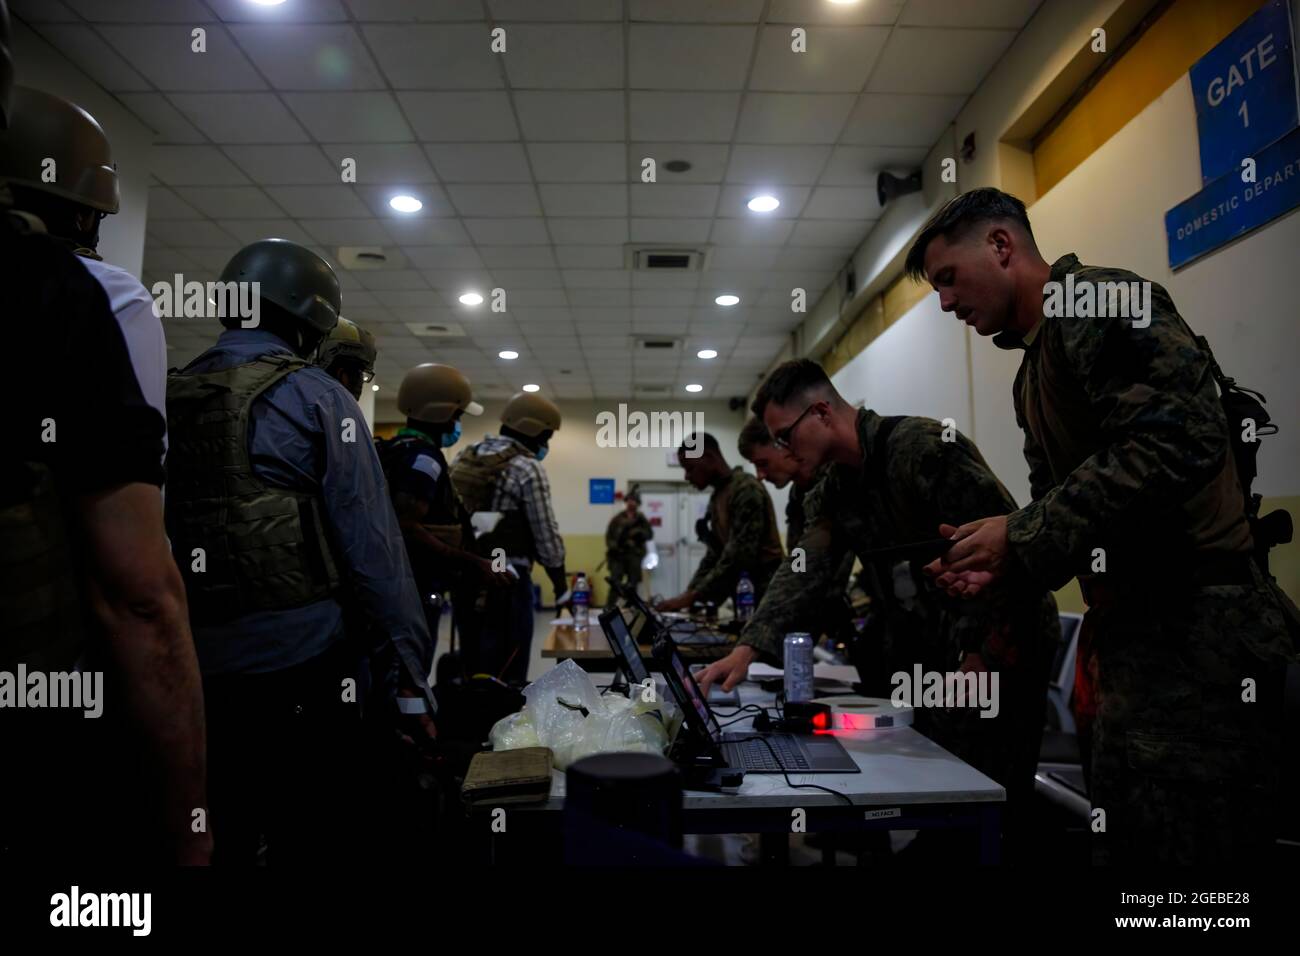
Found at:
(532, 388)
(471, 298)
(706, 354)
(727, 299)
(694, 388)
(268, 3)
(843, 3)
(677, 165)
(508, 354)
(763, 203)
(406, 204)
(374, 388)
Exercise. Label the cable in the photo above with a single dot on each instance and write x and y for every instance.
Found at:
(790, 783)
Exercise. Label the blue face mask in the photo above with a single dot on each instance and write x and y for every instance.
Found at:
(450, 438)
(541, 452)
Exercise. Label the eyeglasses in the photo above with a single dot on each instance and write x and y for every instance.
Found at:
(367, 374)
(781, 438)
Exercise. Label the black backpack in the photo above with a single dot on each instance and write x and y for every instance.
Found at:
(1242, 405)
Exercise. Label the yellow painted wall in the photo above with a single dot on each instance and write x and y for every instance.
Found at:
(1178, 38)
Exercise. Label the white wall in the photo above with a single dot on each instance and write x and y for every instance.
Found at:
(917, 366)
(40, 66)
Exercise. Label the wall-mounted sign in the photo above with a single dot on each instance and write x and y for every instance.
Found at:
(1228, 208)
(1245, 91)
(602, 491)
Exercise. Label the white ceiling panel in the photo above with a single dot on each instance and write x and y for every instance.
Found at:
(448, 56)
(529, 163)
(793, 117)
(165, 55)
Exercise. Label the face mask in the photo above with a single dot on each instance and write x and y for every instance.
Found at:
(541, 452)
(450, 438)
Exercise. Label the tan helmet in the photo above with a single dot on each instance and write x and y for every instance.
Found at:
(348, 340)
(530, 414)
(434, 393)
(43, 126)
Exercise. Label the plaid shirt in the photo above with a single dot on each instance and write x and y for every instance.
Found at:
(523, 485)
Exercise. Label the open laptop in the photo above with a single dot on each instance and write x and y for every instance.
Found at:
(623, 646)
(702, 741)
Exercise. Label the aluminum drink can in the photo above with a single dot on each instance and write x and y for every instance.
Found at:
(798, 666)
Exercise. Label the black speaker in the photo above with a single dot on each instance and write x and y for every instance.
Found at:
(889, 186)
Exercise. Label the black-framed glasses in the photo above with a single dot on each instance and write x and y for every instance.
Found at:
(367, 374)
(781, 438)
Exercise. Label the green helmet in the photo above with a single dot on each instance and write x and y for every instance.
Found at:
(351, 341)
(293, 278)
(45, 127)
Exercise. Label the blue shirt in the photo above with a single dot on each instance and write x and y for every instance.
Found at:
(299, 439)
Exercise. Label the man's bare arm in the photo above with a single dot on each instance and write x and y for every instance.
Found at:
(139, 597)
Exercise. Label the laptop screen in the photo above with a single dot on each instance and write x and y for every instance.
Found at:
(624, 648)
(684, 686)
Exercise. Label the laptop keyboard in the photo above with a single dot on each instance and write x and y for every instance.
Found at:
(784, 753)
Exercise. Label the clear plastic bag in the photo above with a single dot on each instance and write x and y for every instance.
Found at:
(553, 716)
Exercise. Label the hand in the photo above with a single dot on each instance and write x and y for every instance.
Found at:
(731, 670)
(684, 600)
(418, 732)
(976, 560)
(493, 578)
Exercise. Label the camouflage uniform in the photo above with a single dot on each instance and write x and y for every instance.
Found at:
(902, 496)
(625, 540)
(744, 538)
(1129, 453)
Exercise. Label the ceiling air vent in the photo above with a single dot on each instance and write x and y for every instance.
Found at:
(436, 330)
(647, 345)
(360, 258)
(665, 258)
(642, 390)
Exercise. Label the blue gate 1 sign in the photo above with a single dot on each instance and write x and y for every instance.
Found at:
(1228, 208)
(1245, 90)
(602, 491)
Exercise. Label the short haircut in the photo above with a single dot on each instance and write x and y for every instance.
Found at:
(958, 216)
(753, 437)
(788, 381)
(693, 442)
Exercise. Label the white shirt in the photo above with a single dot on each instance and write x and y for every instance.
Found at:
(133, 308)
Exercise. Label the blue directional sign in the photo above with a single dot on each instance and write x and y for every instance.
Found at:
(602, 491)
(1245, 91)
(1228, 207)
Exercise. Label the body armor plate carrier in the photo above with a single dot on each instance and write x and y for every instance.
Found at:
(263, 548)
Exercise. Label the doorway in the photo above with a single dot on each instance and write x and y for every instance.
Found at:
(673, 507)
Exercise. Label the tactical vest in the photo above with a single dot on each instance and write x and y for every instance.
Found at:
(40, 612)
(475, 476)
(445, 519)
(265, 548)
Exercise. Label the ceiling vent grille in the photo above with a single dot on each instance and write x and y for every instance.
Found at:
(648, 390)
(362, 258)
(665, 258)
(436, 330)
(661, 345)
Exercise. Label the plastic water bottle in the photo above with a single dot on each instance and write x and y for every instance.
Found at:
(744, 597)
(581, 604)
